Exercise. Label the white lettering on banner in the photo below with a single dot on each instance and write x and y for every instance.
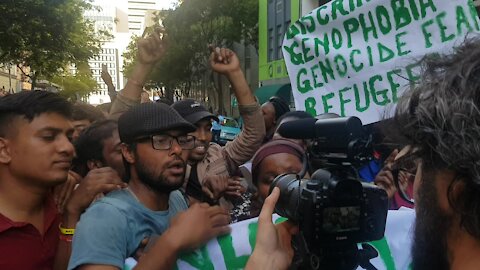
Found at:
(356, 57)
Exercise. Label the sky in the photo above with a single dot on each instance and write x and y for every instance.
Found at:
(166, 4)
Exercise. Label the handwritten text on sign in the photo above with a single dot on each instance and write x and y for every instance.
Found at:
(355, 57)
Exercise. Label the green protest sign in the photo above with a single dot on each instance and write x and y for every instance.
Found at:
(231, 252)
(356, 57)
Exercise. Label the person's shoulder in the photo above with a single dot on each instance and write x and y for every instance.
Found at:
(118, 198)
(177, 201)
(113, 204)
(101, 236)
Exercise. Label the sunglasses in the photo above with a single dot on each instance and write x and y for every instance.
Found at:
(403, 171)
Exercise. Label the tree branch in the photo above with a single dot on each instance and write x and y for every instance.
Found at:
(21, 69)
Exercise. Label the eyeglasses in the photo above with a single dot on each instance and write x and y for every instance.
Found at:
(405, 168)
(165, 142)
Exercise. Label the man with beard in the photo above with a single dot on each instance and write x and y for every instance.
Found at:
(440, 118)
(154, 148)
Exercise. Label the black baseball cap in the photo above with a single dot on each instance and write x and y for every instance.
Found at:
(150, 119)
(192, 111)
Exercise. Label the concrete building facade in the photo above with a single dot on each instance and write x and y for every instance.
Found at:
(122, 19)
(8, 79)
(13, 80)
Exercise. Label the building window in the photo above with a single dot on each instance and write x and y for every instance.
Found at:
(279, 41)
(270, 45)
(278, 20)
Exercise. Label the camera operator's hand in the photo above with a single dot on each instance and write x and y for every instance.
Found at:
(273, 246)
(197, 225)
(384, 178)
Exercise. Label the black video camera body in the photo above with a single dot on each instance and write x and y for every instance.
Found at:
(335, 211)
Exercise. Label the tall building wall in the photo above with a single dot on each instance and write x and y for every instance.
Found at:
(122, 18)
(136, 14)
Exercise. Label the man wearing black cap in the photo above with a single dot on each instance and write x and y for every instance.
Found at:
(215, 161)
(198, 115)
(155, 143)
(211, 164)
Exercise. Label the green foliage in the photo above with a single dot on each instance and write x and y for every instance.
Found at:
(129, 56)
(46, 35)
(76, 86)
(189, 29)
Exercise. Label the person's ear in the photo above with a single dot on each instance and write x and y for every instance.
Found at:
(5, 156)
(128, 154)
(450, 191)
(94, 164)
(456, 190)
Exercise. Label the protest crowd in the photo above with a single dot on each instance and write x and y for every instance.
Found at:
(84, 187)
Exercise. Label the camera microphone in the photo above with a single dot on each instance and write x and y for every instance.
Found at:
(327, 130)
(343, 135)
(298, 129)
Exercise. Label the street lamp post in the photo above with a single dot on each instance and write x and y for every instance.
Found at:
(9, 66)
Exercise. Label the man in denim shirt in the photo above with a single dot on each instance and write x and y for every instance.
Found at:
(154, 148)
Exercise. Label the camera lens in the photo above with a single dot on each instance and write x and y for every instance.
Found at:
(290, 186)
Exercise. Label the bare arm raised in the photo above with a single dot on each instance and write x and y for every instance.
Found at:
(150, 50)
(226, 62)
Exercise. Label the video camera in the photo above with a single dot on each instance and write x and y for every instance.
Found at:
(335, 211)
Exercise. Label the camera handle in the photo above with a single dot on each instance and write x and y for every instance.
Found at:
(304, 259)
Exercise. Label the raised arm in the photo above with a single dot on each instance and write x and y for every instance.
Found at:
(107, 79)
(225, 61)
(150, 50)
